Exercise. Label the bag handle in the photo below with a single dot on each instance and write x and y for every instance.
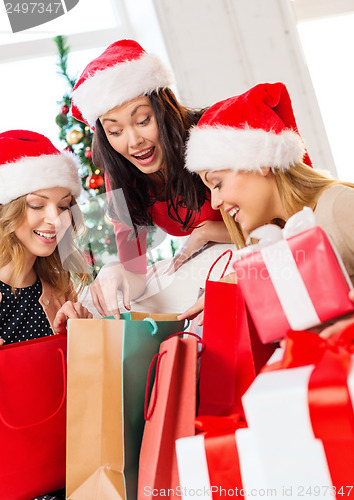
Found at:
(52, 415)
(157, 358)
(153, 324)
(200, 340)
(155, 327)
(229, 251)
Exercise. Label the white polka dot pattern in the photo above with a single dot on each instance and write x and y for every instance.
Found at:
(21, 315)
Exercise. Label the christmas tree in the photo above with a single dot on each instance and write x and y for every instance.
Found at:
(99, 246)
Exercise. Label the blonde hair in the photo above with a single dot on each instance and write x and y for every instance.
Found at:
(299, 187)
(51, 269)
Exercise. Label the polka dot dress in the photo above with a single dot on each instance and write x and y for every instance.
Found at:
(21, 315)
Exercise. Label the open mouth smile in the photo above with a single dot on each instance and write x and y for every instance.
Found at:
(145, 156)
(48, 237)
(234, 212)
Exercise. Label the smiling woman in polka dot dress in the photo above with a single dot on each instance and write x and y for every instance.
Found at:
(37, 253)
(38, 189)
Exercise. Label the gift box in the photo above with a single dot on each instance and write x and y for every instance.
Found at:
(300, 413)
(220, 461)
(293, 279)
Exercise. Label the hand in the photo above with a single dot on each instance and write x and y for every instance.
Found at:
(1, 342)
(110, 279)
(195, 242)
(192, 312)
(339, 325)
(209, 231)
(69, 310)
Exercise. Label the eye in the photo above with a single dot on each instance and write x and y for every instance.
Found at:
(145, 122)
(115, 132)
(217, 186)
(65, 208)
(35, 207)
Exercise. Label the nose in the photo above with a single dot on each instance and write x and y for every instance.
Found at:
(216, 201)
(51, 215)
(134, 138)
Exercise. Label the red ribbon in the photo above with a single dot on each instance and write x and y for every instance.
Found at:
(330, 405)
(221, 451)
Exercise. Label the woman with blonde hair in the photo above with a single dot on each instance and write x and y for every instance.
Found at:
(37, 253)
(249, 153)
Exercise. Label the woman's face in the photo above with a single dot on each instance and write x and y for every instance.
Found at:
(131, 130)
(47, 217)
(251, 198)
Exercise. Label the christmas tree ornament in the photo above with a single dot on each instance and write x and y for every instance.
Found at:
(94, 181)
(61, 120)
(74, 136)
(65, 109)
(88, 153)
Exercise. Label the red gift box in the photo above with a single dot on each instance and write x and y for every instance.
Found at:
(328, 408)
(293, 284)
(209, 462)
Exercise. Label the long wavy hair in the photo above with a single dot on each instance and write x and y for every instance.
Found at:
(182, 188)
(51, 269)
(299, 187)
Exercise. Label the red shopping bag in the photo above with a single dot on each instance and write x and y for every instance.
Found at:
(32, 417)
(169, 416)
(233, 354)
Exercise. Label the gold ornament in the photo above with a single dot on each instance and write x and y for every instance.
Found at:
(74, 136)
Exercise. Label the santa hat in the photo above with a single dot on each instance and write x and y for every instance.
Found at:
(29, 161)
(246, 132)
(122, 72)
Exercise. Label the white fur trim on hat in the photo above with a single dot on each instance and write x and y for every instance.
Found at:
(247, 149)
(39, 172)
(117, 84)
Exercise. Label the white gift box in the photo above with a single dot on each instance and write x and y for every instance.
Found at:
(277, 412)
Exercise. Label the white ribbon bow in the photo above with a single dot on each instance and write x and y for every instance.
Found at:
(270, 233)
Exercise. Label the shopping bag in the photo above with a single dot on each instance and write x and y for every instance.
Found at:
(169, 416)
(233, 354)
(108, 363)
(32, 417)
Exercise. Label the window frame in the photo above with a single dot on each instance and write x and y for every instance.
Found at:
(77, 41)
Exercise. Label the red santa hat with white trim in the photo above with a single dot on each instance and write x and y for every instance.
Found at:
(246, 132)
(121, 73)
(29, 162)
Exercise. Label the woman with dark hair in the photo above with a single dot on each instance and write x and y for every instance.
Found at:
(139, 140)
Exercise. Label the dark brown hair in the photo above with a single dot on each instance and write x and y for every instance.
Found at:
(182, 187)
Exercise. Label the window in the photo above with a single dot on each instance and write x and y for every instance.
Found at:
(96, 15)
(328, 47)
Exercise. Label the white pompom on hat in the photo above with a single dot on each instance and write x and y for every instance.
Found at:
(122, 72)
(29, 162)
(246, 132)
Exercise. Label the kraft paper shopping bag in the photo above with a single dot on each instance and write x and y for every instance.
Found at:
(108, 363)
